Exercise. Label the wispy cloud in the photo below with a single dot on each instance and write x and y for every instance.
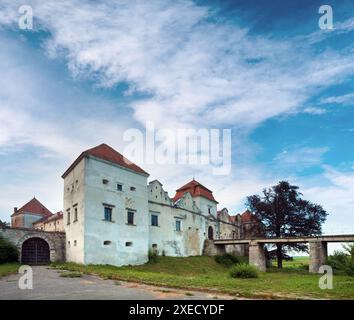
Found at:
(301, 158)
(346, 99)
(193, 70)
(315, 110)
(336, 196)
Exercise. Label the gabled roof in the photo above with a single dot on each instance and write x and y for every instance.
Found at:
(196, 189)
(33, 206)
(107, 153)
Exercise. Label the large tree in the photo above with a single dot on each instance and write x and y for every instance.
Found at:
(3, 224)
(285, 214)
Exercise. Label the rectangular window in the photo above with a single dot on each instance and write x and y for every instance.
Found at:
(119, 187)
(107, 214)
(75, 214)
(178, 225)
(154, 220)
(130, 217)
(68, 219)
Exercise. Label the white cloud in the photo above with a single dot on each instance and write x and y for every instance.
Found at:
(301, 158)
(195, 71)
(315, 110)
(336, 196)
(344, 99)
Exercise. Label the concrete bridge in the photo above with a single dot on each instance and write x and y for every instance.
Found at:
(318, 248)
(36, 246)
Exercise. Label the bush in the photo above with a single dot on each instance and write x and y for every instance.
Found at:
(8, 251)
(227, 259)
(343, 262)
(243, 270)
(152, 255)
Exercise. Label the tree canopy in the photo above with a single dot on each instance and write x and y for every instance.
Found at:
(285, 214)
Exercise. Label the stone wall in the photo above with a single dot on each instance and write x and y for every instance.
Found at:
(55, 240)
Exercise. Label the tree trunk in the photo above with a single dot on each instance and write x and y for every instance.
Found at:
(279, 256)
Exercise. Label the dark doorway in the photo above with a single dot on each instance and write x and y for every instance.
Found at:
(35, 251)
(210, 233)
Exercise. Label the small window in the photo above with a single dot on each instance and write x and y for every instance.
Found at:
(129, 244)
(178, 225)
(75, 243)
(132, 188)
(130, 217)
(107, 214)
(154, 220)
(119, 187)
(107, 242)
(154, 246)
(75, 214)
(69, 244)
(105, 181)
(68, 218)
(209, 210)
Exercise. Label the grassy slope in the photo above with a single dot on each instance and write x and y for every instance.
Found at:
(204, 273)
(8, 268)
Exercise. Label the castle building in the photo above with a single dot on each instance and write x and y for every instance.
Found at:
(112, 215)
(52, 223)
(29, 213)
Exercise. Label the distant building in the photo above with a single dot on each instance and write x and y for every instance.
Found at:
(53, 223)
(31, 212)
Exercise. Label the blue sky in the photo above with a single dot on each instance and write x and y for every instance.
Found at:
(90, 70)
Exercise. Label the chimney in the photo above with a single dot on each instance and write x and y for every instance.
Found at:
(15, 209)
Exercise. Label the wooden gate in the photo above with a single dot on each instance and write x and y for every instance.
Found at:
(35, 251)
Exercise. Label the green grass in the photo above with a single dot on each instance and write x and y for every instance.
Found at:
(71, 275)
(300, 264)
(8, 268)
(204, 273)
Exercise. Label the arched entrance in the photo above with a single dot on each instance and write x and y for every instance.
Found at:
(35, 251)
(210, 233)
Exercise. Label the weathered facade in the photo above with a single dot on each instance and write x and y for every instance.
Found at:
(53, 223)
(113, 216)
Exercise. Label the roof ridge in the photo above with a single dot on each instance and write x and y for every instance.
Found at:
(106, 152)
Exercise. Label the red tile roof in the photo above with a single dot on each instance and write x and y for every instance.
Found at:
(248, 216)
(195, 189)
(105, 152)
(35, 207)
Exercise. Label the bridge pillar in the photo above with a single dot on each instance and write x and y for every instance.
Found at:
(257, 255)
(318, 255)
(211, 249)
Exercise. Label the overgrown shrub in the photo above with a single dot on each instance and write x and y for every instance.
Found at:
(152, 255)
(343, 262)
(8, 251)
(227, 259)
(243, 270)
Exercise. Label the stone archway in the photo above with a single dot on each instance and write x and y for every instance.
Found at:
(39, 244)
